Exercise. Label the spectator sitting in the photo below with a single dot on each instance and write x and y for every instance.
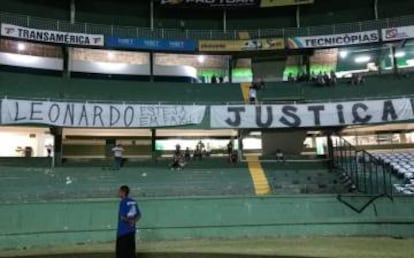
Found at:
(280, 157)
(255, 85)
(207, 150)
(290, 78)
(357, 79)
(213, 79)
(233, 157)
(301, 77)
(187, 154)
(333, 78)
(177, 162)
(360, 79)
(313, 76)
(326, 79)
(262, 85)
(252, 95)
(320, 80)
(198, 153)
(221, 79)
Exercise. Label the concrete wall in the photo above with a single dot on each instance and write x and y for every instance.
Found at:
(289, 141)
(69, 222)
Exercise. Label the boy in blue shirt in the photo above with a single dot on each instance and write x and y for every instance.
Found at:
(129, 214)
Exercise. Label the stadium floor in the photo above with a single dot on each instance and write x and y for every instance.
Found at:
(317, 247)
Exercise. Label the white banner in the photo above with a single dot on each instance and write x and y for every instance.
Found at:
(312, 115)
(334, 40)
(95, 115)
(397, 33)
(59, 37)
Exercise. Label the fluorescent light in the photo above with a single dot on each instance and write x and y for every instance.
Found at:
(22, 59)
(343, 53)
(362, 59)
(201, 59)
(398, 54)
(21, 46)
(111, 66)
(410, 62)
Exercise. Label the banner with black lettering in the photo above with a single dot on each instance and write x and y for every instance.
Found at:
(96, 115)
(334, 40)
(58, 37)
(312, 115)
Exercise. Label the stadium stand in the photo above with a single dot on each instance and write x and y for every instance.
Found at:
(45, 86)
(402, 166)
(307, 177)
(146, 179)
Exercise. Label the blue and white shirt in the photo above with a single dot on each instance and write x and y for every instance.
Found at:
(127, 208)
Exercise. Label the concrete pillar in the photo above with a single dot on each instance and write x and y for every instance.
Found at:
(66, 52)
(230, 68)
(297, 16)
(72, 11)
(57, 133)
(330, 151)
(394, 60)
(151, 60)
(289, 141)
(153, 141)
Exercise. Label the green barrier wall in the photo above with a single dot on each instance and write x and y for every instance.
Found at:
(66, 222)
(42, 86)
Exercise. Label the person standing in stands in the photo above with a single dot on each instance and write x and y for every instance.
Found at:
(280, 157)
(230, 150)
(187, 154)
(252, 95)
(128, 216)
(333, 78)
(177, 149)
(118, 152)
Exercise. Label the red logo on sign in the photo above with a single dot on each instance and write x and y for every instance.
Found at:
(391, 33)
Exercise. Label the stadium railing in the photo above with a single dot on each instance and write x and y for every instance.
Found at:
(361, 170)
(171, 33)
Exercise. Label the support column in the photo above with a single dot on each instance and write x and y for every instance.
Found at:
(394, 60)
(240, 144)
(297, 16)
(152, 15)
(72, 11)
(225, 21)
(230, 69)
(66, 53)
(376, 9)
(151, 60)
(330, 154)
(57, 146)
(153, 141)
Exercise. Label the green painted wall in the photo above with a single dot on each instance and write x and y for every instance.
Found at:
(41, 86)
(66, 222)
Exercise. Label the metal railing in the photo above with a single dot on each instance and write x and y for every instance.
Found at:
(204, 102)
(361, 171)
(172, 33)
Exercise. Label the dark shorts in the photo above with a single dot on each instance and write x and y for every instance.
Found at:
(125, 246)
